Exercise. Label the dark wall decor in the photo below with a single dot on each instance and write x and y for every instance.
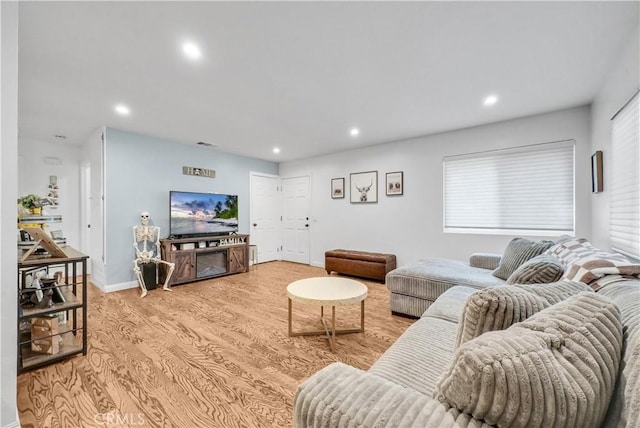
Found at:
(596, 172)
(395, 183)
(337, 188)
(200, 172)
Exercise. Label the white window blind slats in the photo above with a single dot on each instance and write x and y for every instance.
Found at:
(624, 214)
(522, 189)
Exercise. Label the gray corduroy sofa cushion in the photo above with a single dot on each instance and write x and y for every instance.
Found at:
(517, 252)
(557, 369)
(498, 308)
(624, 410)
(429, 278)
(343, 396)
(541, 269)
(427, 336)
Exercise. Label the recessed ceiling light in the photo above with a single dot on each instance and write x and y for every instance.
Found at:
(276, 150)
(191, 50)
(122, 109)
(490, 100)
(354, 132)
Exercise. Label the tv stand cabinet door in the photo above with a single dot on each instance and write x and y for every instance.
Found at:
(238, 259)
(185, 269)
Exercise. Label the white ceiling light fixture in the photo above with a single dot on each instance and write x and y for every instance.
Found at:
(122, 110)
(276, 150)
(191, 51)
(490, 100)
(354, 132)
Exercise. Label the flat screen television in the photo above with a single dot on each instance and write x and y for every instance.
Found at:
(202, 214)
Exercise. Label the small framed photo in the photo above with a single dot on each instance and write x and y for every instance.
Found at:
(364, 187)
(337, 188)
(56, 234)
(395, 183)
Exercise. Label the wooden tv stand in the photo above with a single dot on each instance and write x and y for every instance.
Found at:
(204, 257)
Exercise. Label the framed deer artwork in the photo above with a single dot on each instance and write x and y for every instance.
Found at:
(364, 187)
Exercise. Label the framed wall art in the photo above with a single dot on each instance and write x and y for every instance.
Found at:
(364, 187)
(395, 183)
(337, 188)
(596, 172)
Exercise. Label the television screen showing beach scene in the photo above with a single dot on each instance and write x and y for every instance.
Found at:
(203, 213)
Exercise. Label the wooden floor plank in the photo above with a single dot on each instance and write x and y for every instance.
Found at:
(215, 353)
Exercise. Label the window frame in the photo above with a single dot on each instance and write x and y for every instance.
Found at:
(527, 150)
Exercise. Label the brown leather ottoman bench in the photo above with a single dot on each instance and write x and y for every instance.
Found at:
(359, 263)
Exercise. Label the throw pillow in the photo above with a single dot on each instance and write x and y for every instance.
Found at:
(498, 308)
(541, 269)
(569, 250)
(557, 369)
(517, 252)
(589, 268)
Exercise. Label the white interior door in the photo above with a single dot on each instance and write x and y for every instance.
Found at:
(296, 208)
(265, 216)
(85, 210)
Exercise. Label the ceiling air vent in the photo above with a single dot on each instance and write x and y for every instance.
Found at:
(203, 144)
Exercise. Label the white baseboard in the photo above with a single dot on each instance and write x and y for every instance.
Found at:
(109, 288)
(318, 264)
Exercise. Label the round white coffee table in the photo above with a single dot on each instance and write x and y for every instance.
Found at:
(327, 291)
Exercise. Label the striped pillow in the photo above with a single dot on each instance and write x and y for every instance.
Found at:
(517, 252)
(541, 269)
(558, 368)
(498, 308)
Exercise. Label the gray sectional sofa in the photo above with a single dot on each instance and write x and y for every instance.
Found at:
(556, 354)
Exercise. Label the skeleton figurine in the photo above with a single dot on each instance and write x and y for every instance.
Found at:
(146, 241)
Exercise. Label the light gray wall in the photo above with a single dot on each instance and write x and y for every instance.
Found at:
(621, 83)
(410, 226)
(34, 178)
(139, 173)
(9, 191)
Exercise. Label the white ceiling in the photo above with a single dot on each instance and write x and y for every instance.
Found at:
(299, 75)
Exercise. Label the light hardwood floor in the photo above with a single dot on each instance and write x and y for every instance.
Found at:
(209, 354)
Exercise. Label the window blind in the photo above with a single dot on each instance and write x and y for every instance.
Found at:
(624, 204)
(516, 190)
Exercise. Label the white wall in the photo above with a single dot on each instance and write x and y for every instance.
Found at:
(410, 226)
(8, 189)
(34, 178)
(622, 82)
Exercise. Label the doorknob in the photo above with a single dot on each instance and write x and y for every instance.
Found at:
(255, 224)
(306, 225)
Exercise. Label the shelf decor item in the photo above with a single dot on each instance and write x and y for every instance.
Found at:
(364, 187)
(58, 330)
(337, 188)
(31, 203)
(395, 183)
